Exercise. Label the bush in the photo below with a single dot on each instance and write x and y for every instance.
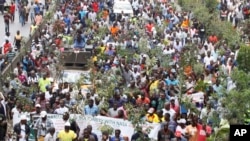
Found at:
(243, 58)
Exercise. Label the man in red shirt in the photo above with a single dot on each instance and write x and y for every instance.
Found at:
(204, 131)
(95, 6)
(149, 27)
(6, 47)
(213, 39)
(142, 100)
(12, 11)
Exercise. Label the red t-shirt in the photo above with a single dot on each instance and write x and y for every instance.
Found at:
(12, 9)
(149, 27)
(202, 134)
(95, 7)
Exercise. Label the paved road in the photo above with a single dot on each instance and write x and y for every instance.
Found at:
(14, 27)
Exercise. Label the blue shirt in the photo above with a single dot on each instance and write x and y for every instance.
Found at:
(114, 139)
(67, 21)
(82, 14)
(91, 110)
(37, 9)
(171, 82)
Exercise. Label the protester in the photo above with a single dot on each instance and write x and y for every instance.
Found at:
(22, 129)
(140, 81)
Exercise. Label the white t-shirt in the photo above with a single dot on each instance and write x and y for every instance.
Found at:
(182, 130)
(171, 112)
(61, 110)
(22, 133)
(49, 137)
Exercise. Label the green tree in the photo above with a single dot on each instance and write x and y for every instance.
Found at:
(243, 58)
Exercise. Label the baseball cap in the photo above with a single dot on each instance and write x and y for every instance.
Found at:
(43, 114)
(151, 110)
(23, 117)
(67, 124)
(38, 105)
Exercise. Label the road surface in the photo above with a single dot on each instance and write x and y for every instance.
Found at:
(24, 30)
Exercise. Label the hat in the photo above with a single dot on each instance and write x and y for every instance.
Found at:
(182, 121)
(38, 105)
(43, 114)
(172, 98)
(151, 110)
(67, 124)
(23, 117)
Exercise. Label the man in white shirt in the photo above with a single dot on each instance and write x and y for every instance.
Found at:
(51, 136)
(62, 109)
(167, 109)
(208, 58)
(92, 16)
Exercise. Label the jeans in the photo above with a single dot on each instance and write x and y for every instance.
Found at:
(22, 20)
(7, 27)
(32, 17)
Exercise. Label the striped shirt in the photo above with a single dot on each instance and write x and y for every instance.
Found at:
(10, 56)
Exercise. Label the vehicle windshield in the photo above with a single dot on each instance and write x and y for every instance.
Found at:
(72, 76)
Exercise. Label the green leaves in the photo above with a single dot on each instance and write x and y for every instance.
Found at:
(243, 58)
(237, 103)
(241, 79)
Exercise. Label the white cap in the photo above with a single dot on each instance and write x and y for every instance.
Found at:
(43, 114)
(182, 121)
(172, 98)
(67, 124)
(23, 117)
(151, 110)
(38, 105)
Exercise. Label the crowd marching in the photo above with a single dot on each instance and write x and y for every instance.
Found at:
(154, 89)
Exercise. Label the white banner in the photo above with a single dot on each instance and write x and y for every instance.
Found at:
(98, 122)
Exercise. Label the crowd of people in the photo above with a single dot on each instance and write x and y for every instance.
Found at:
(27, 12)
(153, 88)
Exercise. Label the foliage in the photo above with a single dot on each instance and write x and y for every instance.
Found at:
(220, 135)
(189, 5)
(201, 86)
(243, 58)
(211, 5)
(241, 79)
(237, 109)
(58, 27)
(198, 68)
(26, 102)
(107, 128)
(224, 30)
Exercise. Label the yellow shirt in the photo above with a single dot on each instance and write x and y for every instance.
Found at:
(152, 118)
(66, 136)
(102, 49)
(94, 59)
(43, 83)
(154, 85)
